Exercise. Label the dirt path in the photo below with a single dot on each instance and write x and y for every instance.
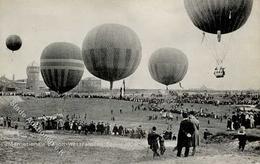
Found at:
(22, 146)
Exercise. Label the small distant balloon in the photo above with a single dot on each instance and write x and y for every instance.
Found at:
(168, 65)
(13, 42)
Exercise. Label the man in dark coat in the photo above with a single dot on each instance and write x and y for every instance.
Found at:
(9, 122)
(186, 131)
(115, 130)
(153, 139)
(120, 130)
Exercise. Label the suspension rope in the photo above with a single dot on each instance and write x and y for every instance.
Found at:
(228, 44)
(213, 52)
(227, 48)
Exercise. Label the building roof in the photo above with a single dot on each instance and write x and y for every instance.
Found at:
(90, 78)
(6, 82)
(3, 79)
(33, 64)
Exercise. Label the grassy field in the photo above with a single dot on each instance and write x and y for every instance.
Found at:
(100, 110)
(111, 149)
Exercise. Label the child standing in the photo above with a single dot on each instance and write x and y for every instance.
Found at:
(242, 138)
(162, 146)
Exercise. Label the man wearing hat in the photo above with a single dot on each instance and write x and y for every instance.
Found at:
(153, 139)
(186, 131)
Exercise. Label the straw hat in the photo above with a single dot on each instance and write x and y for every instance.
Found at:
(242, 130)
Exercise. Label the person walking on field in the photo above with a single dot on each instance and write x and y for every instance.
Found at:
(153, 139)
(186, 131)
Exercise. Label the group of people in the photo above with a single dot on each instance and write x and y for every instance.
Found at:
(176, 108)
(78, 126)
(243, 118)
(188, 136)
(5, 121)
(221, 99)
(168, 114)
(102, 129)
(203, 98)
(199, 98)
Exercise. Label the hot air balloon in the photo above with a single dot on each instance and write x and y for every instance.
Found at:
(61, 66)
(111, 52)
(13, 42)
(218, 17)
(168, 66)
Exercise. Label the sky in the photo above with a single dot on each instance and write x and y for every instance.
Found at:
(158, 23)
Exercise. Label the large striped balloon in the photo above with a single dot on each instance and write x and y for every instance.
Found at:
(111, 52)
(218, 15)
(168, 65)
(61, 66)
(13, 42)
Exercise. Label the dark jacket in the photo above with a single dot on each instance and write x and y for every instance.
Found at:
(186, 126)
(153, 139)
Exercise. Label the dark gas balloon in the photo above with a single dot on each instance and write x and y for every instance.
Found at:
(111, 52)
(13, 42)
(215, 16)
(61, 66)
(168, 65)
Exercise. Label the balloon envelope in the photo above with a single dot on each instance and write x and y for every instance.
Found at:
(218, 15)
(111, 52)
(13, 42)
(61, 66)
(168, 65)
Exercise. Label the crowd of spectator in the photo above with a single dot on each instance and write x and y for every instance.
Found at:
(247, 119)
(79, 126)
(6, 122)
(200, 98)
